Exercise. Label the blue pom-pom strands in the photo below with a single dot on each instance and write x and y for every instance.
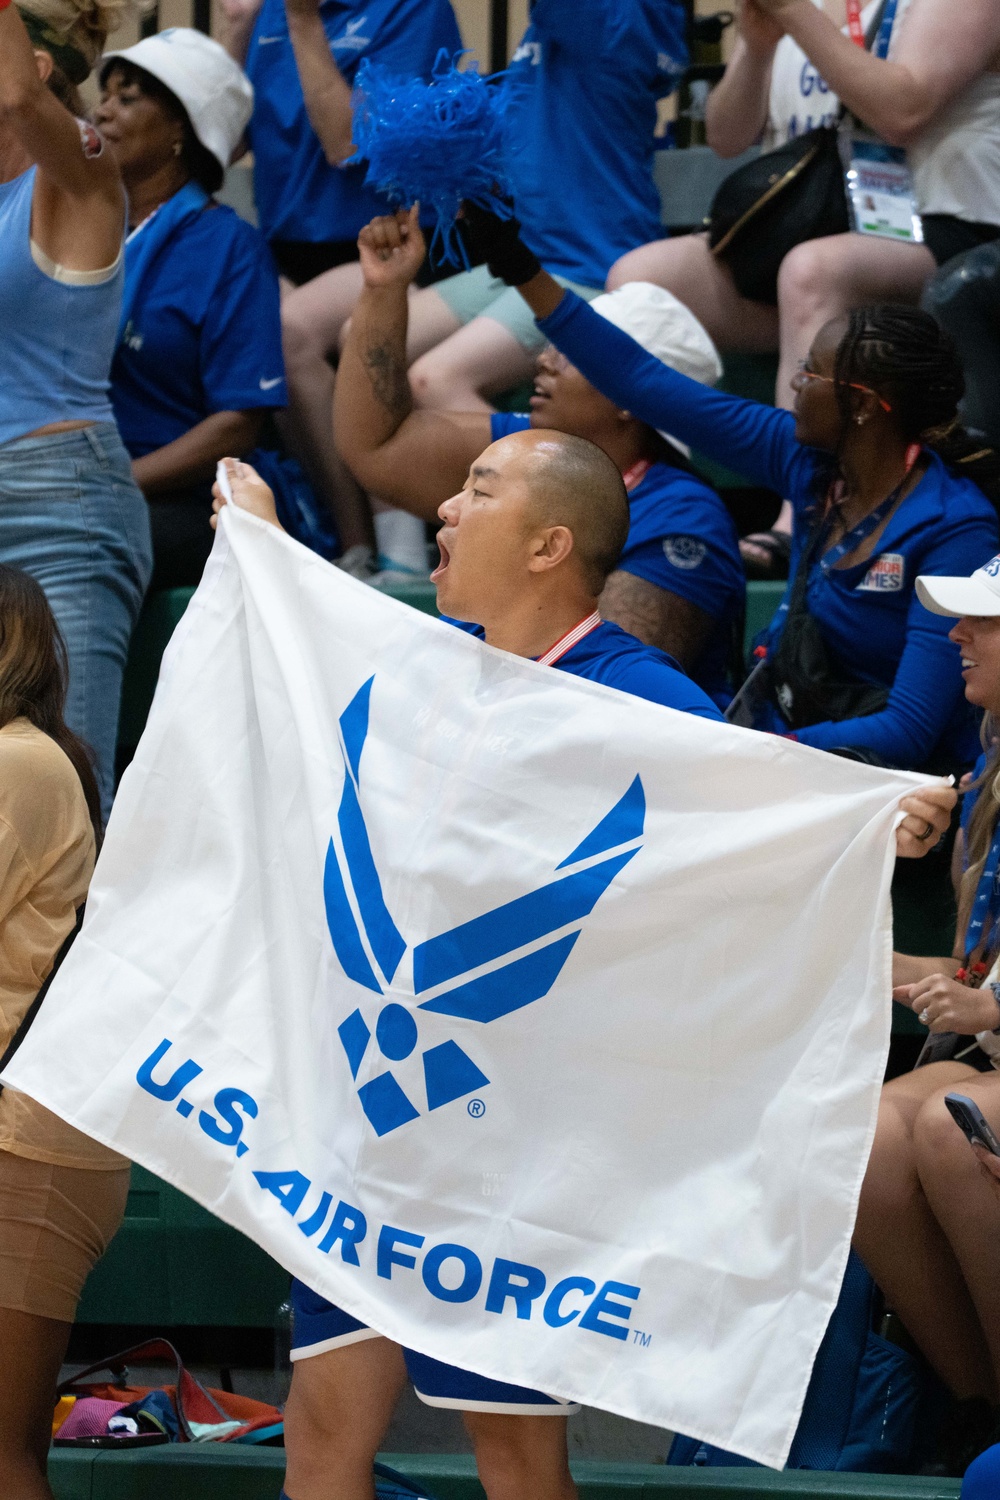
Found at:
(438, 142)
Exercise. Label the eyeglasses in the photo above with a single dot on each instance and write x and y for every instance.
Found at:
(807, 374)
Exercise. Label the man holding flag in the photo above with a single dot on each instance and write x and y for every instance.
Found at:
(525, 550)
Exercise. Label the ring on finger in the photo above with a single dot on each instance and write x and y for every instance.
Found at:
(923, 837)
(924, 1017)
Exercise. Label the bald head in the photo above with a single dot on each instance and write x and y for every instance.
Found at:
(573, 483)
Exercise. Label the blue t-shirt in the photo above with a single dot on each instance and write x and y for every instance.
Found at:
(612, 656)
(582, 92)
(300, 196)
(205, 335)
(872, 622)
(682, 539)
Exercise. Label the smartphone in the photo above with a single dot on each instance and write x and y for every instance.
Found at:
(971, 1122)
(222, 480)
(109, 1440)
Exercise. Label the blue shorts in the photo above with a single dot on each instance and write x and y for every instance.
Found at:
(319, 1326)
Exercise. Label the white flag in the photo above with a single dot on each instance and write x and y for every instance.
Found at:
(538, 1026)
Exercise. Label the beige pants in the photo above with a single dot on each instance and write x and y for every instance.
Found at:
(55, 1222)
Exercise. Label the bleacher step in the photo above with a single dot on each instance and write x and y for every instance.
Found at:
(221, 1472)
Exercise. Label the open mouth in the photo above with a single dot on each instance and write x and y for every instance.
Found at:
(966, 664)
(442, 566)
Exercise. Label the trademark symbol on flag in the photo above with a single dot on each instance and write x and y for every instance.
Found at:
(476, 1108)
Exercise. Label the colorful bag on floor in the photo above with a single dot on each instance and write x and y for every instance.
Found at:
(184, 1412)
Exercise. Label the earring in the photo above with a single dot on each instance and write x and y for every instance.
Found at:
(859, 420)
(178, 148)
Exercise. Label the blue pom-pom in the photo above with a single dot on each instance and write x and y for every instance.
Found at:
(439, 142)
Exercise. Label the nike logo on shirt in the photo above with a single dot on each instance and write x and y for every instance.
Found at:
(268, 385)
(262, 41)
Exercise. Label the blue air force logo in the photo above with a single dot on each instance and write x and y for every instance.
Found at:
(479, 971)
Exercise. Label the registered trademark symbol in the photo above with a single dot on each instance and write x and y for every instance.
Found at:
(476, 1108)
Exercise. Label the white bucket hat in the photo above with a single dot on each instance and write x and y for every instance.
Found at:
(665, 328)
(214, 90)
(978, 595)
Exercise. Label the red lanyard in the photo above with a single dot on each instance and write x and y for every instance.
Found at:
(854, 22)
(636, 474)
(569, 640)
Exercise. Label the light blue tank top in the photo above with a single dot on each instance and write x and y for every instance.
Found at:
(56, 339)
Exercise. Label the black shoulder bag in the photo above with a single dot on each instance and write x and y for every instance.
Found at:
(35, 1006)
(806, 687)
(784, 197)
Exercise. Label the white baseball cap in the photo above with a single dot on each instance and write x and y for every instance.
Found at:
(214, 90)
(978, 595)
(665, 328)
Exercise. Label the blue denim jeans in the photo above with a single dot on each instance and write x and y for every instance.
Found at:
(72, 516)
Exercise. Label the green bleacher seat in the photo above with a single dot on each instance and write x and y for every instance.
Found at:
(173, 1264)
(155, 626)
(217, 1471)
(163, 610)
(762, 600)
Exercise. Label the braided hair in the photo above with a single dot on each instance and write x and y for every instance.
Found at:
(907, 357)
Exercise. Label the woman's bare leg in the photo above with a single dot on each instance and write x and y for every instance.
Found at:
(311, 319)
(31, 1351)
(478, 360)
(905, 1248)
(823, 279)
(965, 1203)
(686, 267)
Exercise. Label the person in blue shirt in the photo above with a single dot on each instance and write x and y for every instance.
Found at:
(302, 59)
(885, 482)
(582, 91)
(70, 512)
(198, 366)
(679, 584)
(929, 1216)
(302, 56)
(526, 547)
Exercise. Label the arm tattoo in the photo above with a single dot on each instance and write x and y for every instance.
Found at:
(656, 616)
(387, 373)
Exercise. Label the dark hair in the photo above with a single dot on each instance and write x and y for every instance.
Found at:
(911, 361)
(33, 675)
(205, 168)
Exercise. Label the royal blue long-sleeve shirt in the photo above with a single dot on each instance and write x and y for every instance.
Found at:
(874, 626)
